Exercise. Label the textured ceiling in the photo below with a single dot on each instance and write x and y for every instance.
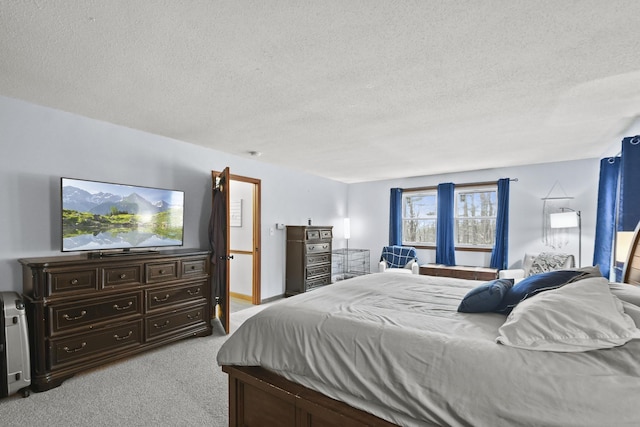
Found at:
(355, 90)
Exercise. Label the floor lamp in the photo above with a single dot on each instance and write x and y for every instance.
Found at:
(347, 236)
(569, 219)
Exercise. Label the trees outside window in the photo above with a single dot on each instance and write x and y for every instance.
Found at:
(419, 215)
(475, 217)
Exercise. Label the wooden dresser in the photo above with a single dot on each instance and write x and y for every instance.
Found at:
(84, 312)
(460, 272)
(308, 258)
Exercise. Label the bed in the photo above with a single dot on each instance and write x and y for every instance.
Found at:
(387, 349)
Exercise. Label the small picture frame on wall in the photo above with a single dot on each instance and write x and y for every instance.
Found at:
(235, 213)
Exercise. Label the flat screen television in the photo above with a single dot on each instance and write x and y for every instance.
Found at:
(103, 216)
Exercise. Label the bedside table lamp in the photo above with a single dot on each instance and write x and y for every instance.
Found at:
(623, 244)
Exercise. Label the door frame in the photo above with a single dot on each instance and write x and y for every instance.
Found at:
(256, 290)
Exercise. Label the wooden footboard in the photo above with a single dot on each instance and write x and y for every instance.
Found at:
(258, 397)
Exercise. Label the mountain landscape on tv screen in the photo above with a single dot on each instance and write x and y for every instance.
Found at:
(103, 220)
(80, 200)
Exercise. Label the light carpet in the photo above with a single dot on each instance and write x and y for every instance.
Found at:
(176, 385)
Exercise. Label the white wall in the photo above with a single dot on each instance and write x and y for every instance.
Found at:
(369, 208)
(39, 145)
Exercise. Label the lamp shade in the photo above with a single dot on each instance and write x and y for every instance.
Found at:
(623, 244)
(347, 228)
(563, 220)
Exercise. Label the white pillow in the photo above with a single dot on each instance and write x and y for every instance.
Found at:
(626, 292)
(632, 310)
(579, 316)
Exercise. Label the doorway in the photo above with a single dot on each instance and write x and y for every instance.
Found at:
(244, 230)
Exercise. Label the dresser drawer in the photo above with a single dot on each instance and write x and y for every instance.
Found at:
(318, 270)
(76, 280)
(110, 340)
(317, 282)
(325, 234)
(194, 268)
(313, 234)
(173, 322)
(162, 272)
(314, 248)
(160, 298)
(125, 275)
(322, 258)
(86, 313)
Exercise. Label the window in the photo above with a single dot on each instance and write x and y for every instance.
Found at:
(475, 217)
(419, 214)
(474, 221)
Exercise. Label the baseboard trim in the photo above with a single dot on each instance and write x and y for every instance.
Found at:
(270, 299)
(240, 296)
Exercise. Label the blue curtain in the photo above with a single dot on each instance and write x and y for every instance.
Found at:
(618, 203)
(606, 213)
(395, 217)
(629, 187)
(445, 246)
(499, 255)
(629, 213)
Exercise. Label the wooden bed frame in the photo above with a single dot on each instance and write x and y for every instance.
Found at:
(258, 397)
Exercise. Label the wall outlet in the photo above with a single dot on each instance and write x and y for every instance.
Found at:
(280, 226)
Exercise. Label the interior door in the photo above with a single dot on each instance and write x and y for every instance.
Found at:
(219, 240)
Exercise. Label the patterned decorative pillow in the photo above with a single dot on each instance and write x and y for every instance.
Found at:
(547, 261)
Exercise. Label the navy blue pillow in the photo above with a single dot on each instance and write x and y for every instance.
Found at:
(486, 297)
(535, 284)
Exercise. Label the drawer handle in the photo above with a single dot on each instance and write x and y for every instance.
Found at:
(166, 297)
(74, 281)
(117, 307)
(197, 316)
(161, 271)
(164, 325)
(123, 276)
(119, 338)
(196, 292)
(73, 350)
(193, 267)
(67, 317)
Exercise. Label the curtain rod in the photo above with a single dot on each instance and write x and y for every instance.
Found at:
(468, 184)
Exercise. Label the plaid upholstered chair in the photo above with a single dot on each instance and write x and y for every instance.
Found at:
(399, 259)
